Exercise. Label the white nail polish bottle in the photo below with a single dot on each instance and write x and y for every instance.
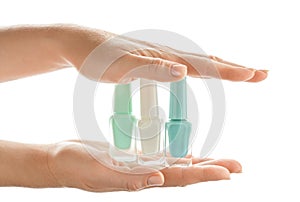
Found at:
(150, 126)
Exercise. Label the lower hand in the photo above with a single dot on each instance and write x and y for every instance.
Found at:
(73, 166)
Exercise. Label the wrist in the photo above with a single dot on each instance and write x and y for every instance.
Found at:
(61, 165)
(25, 165)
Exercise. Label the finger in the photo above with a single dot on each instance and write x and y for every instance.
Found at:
(202, 66)
(232, 165)
(139, 178)
(187, 160)
(156, 69)
(215, 58)
(210, 66)
(231, 73)
(107, 179)
(181, 176)
(200, 160)
(260, 75)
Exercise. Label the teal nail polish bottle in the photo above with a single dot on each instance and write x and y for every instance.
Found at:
(178, 129)
(123, 125)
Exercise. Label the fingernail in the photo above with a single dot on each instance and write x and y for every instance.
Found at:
(178, 70)
(155, 180)
(264, 70)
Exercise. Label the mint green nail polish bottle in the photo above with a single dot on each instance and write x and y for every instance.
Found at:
(178, 128)
(123, 125)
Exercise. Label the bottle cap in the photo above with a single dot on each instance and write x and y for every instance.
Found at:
(122, 99)
(148, 95)
(178, 100)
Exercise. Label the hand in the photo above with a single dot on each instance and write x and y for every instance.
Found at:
(30, 50)
(73, 166)
(120, 59)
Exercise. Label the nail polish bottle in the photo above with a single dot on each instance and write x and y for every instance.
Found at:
(178, 128)
(123, 125)
(150, 126)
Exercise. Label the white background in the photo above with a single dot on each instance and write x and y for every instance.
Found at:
(262, 124)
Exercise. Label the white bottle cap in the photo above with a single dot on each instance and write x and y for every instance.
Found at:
(148, 99)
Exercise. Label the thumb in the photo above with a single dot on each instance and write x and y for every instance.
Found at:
(157, 69)
(135, 182)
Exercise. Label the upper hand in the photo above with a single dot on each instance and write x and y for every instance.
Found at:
(105, 57)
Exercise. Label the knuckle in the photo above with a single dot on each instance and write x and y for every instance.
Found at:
(156, 61)
(155, 64)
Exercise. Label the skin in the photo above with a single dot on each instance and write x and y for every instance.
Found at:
(31, 50)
